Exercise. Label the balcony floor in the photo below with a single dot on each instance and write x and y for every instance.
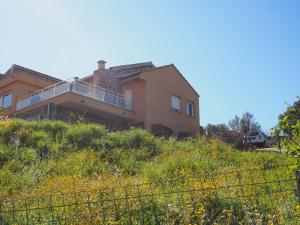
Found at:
(79, 103)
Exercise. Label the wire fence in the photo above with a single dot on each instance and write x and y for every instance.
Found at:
(267, 195)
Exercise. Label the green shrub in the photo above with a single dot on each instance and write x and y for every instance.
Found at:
(85, 135)
(4, 154)
(15, 131)
(54, 129)
(133, 139)
(83, 163)
(28, 155)
(43, 149)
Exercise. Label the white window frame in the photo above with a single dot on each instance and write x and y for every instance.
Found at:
(174, 103)
(188, 113)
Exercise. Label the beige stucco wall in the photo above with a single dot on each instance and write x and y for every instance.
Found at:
(20, 83)
(137, 87)
(161, 84)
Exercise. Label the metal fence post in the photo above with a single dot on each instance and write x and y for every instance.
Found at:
(298, 184)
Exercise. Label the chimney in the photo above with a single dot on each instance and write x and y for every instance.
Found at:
(101, 64)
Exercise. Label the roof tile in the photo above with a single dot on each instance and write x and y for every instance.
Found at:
(15, 67)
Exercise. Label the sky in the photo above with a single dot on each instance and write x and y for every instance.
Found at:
(239, 55)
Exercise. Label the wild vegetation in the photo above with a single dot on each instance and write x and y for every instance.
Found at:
(289, 126)
(225, 186)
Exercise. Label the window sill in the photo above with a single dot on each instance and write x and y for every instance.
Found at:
(175, 110)
(193, 117)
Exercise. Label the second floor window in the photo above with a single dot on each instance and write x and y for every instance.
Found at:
(175, 103)
(190, 108)
(6, 100)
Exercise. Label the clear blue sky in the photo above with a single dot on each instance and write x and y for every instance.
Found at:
(239, 55)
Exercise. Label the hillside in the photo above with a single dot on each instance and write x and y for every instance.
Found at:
(40, 159)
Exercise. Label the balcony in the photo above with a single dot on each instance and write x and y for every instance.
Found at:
(79, 87)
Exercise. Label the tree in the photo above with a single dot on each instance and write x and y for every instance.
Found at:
(234, 124)
(291, 116)
(248, 124)
(212, 129)
(222, 126)
(289, 123)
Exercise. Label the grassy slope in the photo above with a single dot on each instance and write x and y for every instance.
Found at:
(53, 157)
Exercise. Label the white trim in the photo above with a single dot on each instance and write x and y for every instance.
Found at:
(188, 113)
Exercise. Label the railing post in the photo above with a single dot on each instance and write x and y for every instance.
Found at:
(54, 90)
(118, 99)
(298, 184)
(69, 86)
(42, 95)
(75, 84)
(104, 93)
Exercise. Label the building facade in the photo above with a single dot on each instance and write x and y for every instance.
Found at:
(158, 99)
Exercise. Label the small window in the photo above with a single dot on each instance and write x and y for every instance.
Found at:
(6, 100)
(175, 103)
(190, 108)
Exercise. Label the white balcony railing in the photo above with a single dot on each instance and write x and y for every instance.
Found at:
(79, 87)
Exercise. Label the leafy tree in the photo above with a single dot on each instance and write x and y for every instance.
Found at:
(212, 129)
(291, 117)
(289, 123)
(234, 124)
(248, 124)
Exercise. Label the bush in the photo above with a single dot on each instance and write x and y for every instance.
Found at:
(83, 163)
(14, 131)
(28, 155)
(133, 139)
(85, 135)
(4, 154)
(54, 129)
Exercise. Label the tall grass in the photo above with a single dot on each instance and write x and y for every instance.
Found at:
(42, 158)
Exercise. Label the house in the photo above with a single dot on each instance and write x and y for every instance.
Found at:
(158, 99)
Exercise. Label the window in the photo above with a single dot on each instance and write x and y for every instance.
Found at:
(175, 103)
(6, 100)
(190, 108)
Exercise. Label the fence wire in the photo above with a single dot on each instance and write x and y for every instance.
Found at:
(255, 196)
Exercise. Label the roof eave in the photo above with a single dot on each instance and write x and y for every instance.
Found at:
(169, 65)
(14, 67)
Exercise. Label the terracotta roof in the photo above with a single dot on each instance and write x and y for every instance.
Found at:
(132, 68)
(128, 75)
(127, 71)
(15, 67)
(130, 72)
